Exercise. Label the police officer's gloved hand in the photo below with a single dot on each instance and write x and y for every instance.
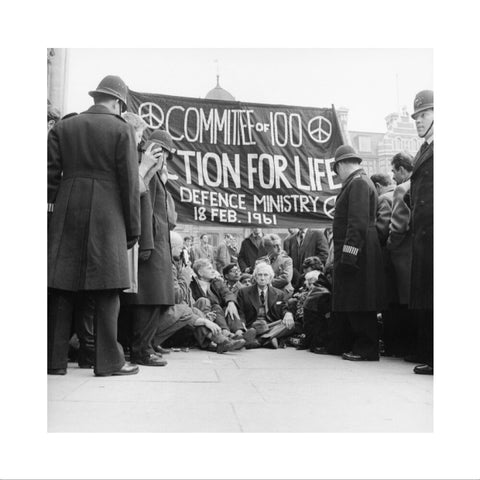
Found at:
(144, 255)
(131, 241)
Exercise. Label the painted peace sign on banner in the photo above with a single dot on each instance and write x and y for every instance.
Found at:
(320, 129)
(152, 114)
(329, 206)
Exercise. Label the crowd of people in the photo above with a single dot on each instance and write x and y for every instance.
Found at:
(123, 284)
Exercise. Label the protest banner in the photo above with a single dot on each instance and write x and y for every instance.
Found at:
(247, 164)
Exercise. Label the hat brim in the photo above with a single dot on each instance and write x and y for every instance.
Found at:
(93, 93)
(415, 114)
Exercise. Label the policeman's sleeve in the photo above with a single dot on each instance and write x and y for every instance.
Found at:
(54, 167)
(127, 176)
(357, 223)
(146, 241)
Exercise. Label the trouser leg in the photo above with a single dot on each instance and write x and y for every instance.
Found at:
(60, 320)
(315, 329)
(277, 331)
(425, 336)
(109, 355)
(171, 321)
(365, 330)
(340, 338)
(146, 321)
(84, 329)
(125, 326)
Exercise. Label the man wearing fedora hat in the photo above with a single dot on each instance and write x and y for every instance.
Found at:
(357, 268)
(421, 196)
(93, 192)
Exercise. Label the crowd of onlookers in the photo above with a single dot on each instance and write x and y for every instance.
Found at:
(124, 284)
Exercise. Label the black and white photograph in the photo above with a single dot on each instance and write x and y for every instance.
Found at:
(248, 267)
(250, 260)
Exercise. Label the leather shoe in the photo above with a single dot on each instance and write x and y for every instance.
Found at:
(254, 344)
(423, 370)
(319, 350)
(271, 343)
(230, 345)
(151, 360)
(162, 351)
(250, 335)
(356, 358)
(57, 371)
(125, 370)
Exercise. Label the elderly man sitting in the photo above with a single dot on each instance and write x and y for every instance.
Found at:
(281, 263)
(263, 307)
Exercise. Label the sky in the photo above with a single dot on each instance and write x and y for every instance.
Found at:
(371, 83)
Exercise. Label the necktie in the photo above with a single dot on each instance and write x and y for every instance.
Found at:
(262, 298)
(301, 236)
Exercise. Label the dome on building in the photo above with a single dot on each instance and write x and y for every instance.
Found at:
(219, 93)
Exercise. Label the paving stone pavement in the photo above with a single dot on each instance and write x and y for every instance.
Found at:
(247, 391)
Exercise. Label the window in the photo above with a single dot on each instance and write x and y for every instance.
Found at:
(364, 144)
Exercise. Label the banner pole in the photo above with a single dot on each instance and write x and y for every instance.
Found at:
(339, 125)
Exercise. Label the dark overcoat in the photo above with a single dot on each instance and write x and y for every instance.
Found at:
(358, 277)
(93, 184)
(421, 195)
(249, 253)
(314, 245)
(399, 242)
(155, 278)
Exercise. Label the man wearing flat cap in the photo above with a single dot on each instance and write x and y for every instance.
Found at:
(421, 197)
(93, 193)
(357, 269)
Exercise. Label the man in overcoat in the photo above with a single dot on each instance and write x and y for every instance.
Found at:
(421, 195)
(306, 243)
(250, 250)
(399, 245)
(93, 192)
(357, 269)
(155, 281)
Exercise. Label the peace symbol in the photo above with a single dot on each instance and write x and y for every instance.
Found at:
(320, 129)
(329, 206)
(152, 114)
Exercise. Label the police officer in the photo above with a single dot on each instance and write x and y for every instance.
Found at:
(421, 294)
(93, 192)
(357, 269)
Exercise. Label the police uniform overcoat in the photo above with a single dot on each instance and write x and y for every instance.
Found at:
(421, 195)
(358, 278)
(155, 278)
(93, 188)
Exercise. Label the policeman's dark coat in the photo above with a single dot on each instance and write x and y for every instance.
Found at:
(358, 278)
(421, 195)
(155, 278)
(93, 184)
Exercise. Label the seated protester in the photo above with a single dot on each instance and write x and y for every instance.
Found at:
(263, 307)
(245, 279)
(184, 314)
(308, 265)
(316, 314)
(231, 276)
(281, 263)
(208, 287)
(296, 305)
